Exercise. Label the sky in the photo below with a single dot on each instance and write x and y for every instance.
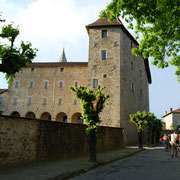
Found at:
(51, 25)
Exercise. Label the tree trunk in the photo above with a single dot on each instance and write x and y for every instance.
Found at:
(92, 145)
(140, 139)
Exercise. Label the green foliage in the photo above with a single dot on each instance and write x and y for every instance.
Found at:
(92, 104)
(158, 125)
(176, 127)
(139, 118)
(158, 22)
(13, 59)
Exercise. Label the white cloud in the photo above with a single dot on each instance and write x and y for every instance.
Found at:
(54, 19)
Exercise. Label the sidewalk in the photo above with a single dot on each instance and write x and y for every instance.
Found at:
(63, 168)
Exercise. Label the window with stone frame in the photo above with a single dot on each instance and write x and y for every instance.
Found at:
(104, 33)
(44, 101)
(31, 85)
(29, 101)
(46, 84)
(60, 101)
(95, 83)
(75, 101)
(15, 101)
(62, 70)
(61, 84)
(17, 84)
(103, 55)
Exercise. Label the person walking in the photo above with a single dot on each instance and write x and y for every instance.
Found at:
(174, 144)
(166, 142)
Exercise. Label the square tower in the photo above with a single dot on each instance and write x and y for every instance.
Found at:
(125, 76)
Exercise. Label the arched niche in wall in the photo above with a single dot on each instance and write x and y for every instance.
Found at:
(45, 116)
(76, 118)
(61, 117)
(30, 115)
(15, 114)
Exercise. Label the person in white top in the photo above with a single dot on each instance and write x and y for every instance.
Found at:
(174, 143)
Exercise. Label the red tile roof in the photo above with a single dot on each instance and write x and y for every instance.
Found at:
(101, 22)
(175, 111)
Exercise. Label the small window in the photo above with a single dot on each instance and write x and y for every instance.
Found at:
(17, 84)
(115, 44)
(46, 84)
(95, 83)
(60, 101)
(95, 45)
(140, 73)
(31, 85)
(62, 70)
(61, 84)
(44, 101)
(75, 101)
(32, 69)
(103, 54)
(29, 101)
(76, 84)
(132, 87)
(132, 66)
(140, 93)
(15, 101)
(1, 100)
(104, 34)
(104, 75)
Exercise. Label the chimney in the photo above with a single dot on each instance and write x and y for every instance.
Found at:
(170, 109)
(165, 112)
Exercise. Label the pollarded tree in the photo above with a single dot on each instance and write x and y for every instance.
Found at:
(139, 118)
(158, 23)
(13, 59)
(92, 104)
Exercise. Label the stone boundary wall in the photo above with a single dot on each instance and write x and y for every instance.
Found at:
(25, 140)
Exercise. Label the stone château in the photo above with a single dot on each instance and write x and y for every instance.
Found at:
(42, 89)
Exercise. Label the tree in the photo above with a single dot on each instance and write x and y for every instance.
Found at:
(149, 123)
(13, 59)
(157, 21)
(176, 127)
(159, 128)
(139, 118)
(92, 104)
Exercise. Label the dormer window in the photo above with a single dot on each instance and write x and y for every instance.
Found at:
(104, 34)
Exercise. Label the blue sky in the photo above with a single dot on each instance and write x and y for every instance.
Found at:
(51, 24)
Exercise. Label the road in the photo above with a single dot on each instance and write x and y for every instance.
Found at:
(150, 164)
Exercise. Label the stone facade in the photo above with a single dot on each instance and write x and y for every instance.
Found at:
(110, 64)
(24, 140)
(28, 95)
(124, 75)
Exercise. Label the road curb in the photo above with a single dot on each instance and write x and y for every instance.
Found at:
(66, 176)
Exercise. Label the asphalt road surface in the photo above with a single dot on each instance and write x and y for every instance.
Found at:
(153, 164)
